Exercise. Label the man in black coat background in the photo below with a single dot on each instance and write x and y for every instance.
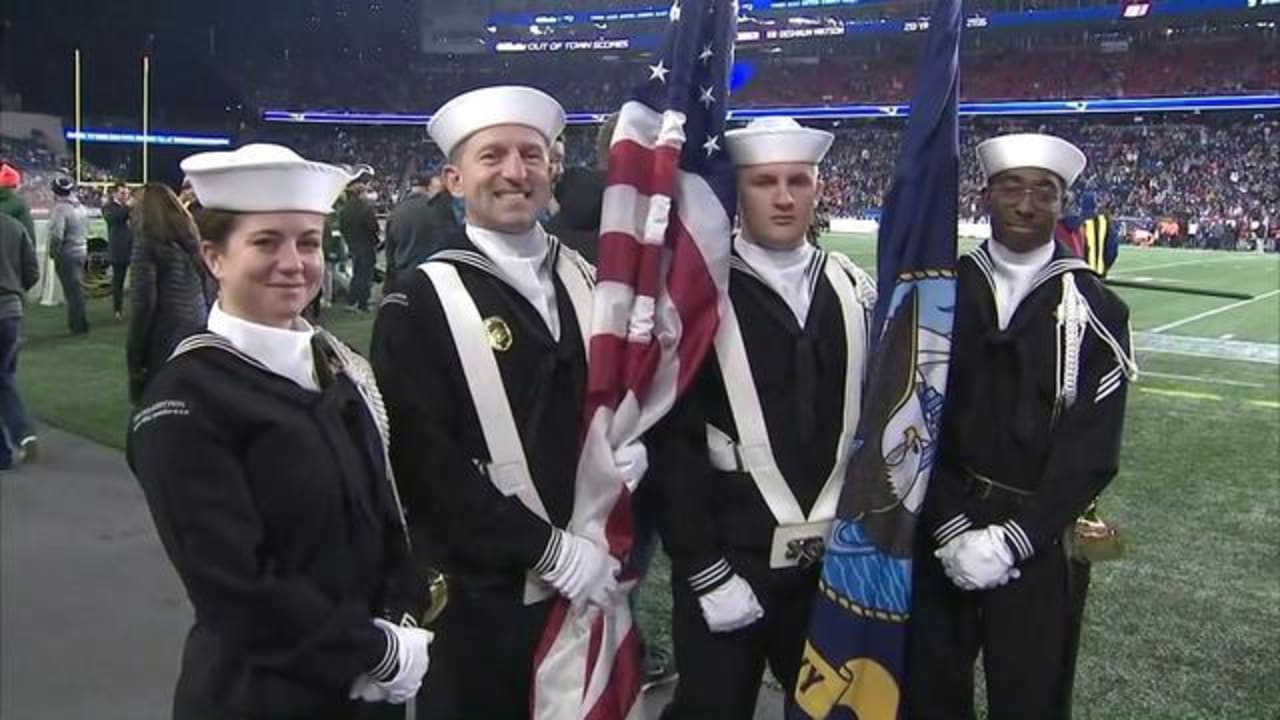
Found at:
(418, 224)
(115, 211)
(359, 227)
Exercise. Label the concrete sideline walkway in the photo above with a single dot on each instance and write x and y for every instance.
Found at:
(92, 616)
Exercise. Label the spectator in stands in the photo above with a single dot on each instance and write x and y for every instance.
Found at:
(11, 203)
(19, 272)
(419, 224)
(68, 246)
(172, 290)
(115, 211)
(359, 227)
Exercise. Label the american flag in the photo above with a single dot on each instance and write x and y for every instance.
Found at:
(663, 264)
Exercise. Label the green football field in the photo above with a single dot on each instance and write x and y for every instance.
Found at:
(1187, 625)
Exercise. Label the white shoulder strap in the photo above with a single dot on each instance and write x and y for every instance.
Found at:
(577, 276)
(508, 469)
(856, 302)
(754, 447)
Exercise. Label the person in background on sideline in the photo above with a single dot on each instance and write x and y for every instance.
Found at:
(69, 248)
(172, 291)
(19, 272)
(11, 203)
(115, 211)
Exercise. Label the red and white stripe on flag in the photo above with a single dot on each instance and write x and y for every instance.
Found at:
(664, 251)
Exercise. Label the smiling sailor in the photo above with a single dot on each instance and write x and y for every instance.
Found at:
(480, 352)
(261, 447)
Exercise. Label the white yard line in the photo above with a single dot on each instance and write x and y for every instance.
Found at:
(1188, 346)
(1197, 379)
(1127, 271)
(1211, 313)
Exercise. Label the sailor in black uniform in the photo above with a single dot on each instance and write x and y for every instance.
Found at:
(1031, 430)
(762, 441)
(480, 353)
(261, 447)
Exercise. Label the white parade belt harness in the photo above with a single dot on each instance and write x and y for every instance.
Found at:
(799, 539)
(507, 469)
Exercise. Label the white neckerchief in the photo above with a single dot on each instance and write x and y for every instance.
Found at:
(522, 260)
(285, 352)
(784, 271)
(1014, 273)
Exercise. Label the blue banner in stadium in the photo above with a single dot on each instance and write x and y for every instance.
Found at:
(845, 112)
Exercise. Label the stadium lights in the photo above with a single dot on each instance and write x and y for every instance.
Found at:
(133, 138)
(839, 112)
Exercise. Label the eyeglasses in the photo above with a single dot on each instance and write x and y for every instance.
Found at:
(1013, 194)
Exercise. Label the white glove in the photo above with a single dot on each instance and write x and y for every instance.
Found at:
(412, 661)
(732, 606)
(978, 559)
(584, 572)
(632, 460)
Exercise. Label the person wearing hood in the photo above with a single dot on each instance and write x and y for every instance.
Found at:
(69, 248)
(1040, 366)
(11, 203)
(261, 447)
(481, 354)
(752, 460)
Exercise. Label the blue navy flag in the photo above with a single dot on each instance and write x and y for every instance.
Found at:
(854, 659)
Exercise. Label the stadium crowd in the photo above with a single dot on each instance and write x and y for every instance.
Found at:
(1195, 174)
(1163, 67)
(1158, 69)
(1201, 170)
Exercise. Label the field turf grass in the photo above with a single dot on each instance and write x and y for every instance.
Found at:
(1187, 625)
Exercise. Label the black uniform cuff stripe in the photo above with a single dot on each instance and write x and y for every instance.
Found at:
(952, 528)
(712, 576)
(1021, 543)
(549, 554)
(390, 664)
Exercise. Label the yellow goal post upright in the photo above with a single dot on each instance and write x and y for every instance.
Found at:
(79, 126)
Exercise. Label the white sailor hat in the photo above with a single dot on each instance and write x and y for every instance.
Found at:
(1035, 150)
(476, 110)
(264, 178)
(777, 140)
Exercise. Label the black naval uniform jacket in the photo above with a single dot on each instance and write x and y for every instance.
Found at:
(1000, 421)
(460, 523)
(273, 503)
(800, 373)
